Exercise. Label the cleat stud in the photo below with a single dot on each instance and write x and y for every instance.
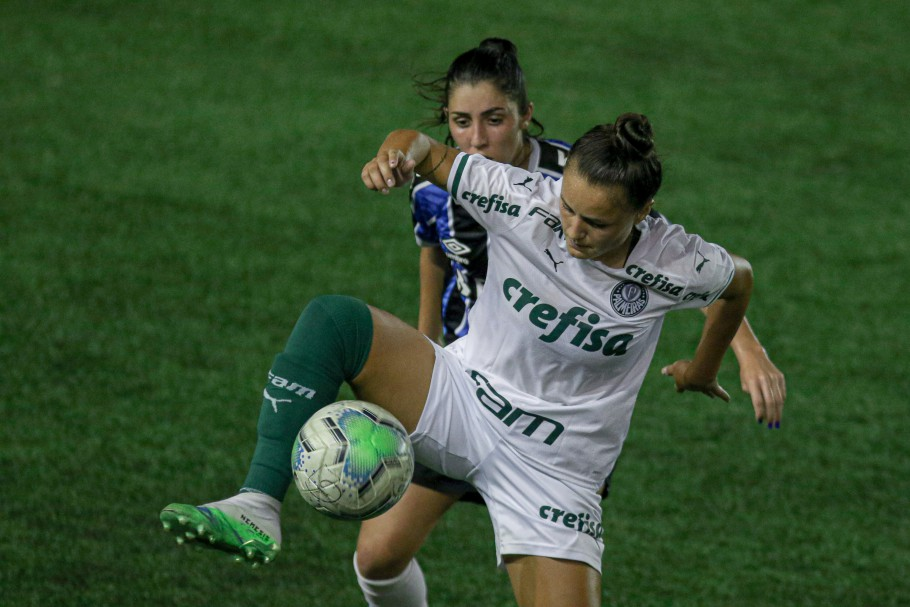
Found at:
(179, 540)
(190, 535)
(166, 525)
(200, 528)
(182, 519)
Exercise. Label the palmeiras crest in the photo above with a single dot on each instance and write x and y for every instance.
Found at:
(628, 298)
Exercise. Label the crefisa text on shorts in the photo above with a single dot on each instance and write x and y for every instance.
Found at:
(581, 521)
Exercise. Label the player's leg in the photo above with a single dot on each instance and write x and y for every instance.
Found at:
(540, 581)
(336, 339)
(397, 373)
(386, 569)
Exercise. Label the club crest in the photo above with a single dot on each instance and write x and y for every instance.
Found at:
(628, 298)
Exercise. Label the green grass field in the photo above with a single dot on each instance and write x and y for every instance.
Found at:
(178, 179)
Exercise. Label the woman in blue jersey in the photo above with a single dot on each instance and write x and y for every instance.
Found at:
(483, 101)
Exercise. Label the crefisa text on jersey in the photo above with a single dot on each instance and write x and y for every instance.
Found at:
(495, 202)
(585, 335)
(660, 283)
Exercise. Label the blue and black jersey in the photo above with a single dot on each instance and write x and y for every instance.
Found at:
(438, 222)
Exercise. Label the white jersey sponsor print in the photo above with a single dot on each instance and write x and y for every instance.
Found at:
(581, 335)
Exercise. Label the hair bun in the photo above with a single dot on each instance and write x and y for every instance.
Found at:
(635, 133)
(499, 45)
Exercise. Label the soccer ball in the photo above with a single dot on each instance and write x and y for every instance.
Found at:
(352, 460)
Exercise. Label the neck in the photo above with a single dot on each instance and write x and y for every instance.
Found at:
(523, 154)
(619, 256)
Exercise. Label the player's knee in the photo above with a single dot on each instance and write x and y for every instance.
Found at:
(333, 328)
(378, 560)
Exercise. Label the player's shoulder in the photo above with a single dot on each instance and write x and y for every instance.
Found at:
(424, 193)
(553, 156)
(671, 247)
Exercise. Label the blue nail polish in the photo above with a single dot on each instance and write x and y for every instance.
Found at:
(770, 425)
(777, 424)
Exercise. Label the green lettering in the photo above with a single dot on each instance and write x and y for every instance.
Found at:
(542, 314)
(524, 299)
(597, 340)
(508, 285)
(616, 346)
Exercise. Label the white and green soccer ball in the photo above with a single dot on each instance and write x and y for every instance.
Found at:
(352, 460)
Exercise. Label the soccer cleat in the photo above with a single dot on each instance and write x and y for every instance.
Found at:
(211, 528)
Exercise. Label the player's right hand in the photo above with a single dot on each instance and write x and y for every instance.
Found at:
(391, 168)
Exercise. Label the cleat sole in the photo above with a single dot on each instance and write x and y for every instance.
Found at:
(212, 529)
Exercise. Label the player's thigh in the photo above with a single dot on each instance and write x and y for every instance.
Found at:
(398, 371)
(388, 542)
(542, 581)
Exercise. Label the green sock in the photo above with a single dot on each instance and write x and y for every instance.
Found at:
(328, 346)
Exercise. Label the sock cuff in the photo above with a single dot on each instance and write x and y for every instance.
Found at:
(389, 582)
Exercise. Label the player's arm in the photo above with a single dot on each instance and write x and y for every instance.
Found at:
(433, 265)
(758, 376)
(722, 321)
(403, 153)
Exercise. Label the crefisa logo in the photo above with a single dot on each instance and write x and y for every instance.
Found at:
(628, 298)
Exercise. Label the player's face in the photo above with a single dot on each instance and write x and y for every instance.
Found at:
(597, 220)
(484, 121)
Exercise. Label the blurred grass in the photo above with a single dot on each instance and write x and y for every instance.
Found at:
(177, 180)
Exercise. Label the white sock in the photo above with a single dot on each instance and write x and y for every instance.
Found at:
(256, 509)
(409, 589)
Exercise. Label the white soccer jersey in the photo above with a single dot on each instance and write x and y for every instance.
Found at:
(559, 346)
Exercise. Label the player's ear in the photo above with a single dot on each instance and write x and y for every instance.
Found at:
(645, 210)
(525, 121)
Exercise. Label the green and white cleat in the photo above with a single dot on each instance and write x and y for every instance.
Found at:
(210, 527)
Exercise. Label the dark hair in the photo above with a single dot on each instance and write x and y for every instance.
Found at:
(620, 154)
(493, 60)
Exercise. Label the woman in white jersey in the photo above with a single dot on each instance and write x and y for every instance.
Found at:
(483, 101)
(532, 406)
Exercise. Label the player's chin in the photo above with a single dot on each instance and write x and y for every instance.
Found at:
(579, 252)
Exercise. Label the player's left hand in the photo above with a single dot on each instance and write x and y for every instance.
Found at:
(765, 384)
(686, 382)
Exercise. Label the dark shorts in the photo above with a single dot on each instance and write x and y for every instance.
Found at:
(426, 477)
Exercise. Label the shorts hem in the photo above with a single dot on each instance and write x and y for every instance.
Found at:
(549, 552)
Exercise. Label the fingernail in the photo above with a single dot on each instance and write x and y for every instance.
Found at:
(391, 182)
(777, 424)
(760, 420)
(770, 425)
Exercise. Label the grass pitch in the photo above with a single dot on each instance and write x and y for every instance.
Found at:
(178, 179)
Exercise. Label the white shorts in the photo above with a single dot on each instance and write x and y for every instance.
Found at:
(533, 512)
